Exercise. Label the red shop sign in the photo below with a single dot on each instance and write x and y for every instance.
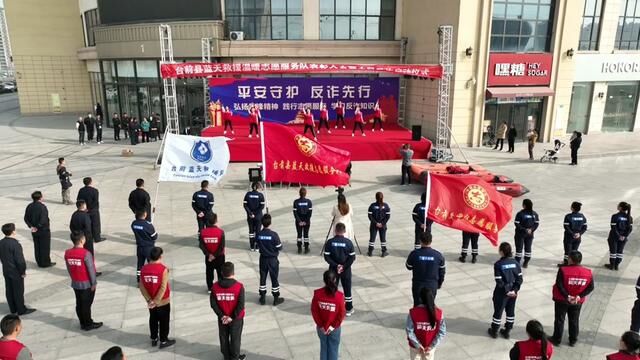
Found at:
(512, 69)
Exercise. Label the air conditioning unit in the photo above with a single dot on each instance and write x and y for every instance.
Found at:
(236, 35)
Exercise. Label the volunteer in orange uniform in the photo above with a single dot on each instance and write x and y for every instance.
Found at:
(227, 301)
(10, 347)
(154, 286)
(425, 327)
(629, 347)
(573, 284)
(212, 244)
(328, 311)
(82, 270)
(536, 347)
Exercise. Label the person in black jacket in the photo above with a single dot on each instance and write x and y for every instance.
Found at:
(269, 245)
(508, 276)
(146, 237)
(635, 311)
(511, 138)
(253, 205)
(202, 203)
(379, 214)
(81, 130)
(575, 225)
(99, 124)
(36, 216)
(81, 222)
(14, 269)
(526, 223)
(124, 125)
(427, 266)
(89, 126)
(575, 142)
(139, 199)
(340, 255)
(115, 120)
(65, 181)
(621, 227)
(302, 210)
(91, 197)
(419, 218)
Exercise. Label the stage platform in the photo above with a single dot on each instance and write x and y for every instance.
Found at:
(374, 146)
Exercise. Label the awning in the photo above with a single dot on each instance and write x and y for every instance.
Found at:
(519, 91)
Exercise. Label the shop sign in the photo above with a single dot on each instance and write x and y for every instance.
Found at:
(514, 69)
(607, 67)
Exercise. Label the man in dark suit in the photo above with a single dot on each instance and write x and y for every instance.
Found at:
(91, 197)
(140, 200)
(81, 222)
(14, 269)
(36, 216)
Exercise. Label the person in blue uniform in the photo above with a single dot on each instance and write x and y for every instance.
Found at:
(146, 237)
(270, 246)
(508, 276)
(621, 227)
(526, 223)
(302, 209)
(253, 205)
(575, 225)
(469, 237)
(379, 214)
(419, 219)
(340, 255)
(428, 268)
(202, 203)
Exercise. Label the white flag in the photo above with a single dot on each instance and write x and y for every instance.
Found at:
(193, 159)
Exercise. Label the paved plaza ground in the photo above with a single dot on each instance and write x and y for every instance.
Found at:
(608, 173)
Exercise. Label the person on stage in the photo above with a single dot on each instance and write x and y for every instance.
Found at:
(324, 119)
(377, 118)
(309, 124)
(254, 119)
(358, 121)
(340, 115)
(226, 117)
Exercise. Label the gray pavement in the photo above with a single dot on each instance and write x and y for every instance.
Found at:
(30, 146)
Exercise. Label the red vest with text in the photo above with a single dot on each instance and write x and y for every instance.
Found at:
(622, 356)
(340, 110)
(151, 277)
(359, 117)
(532, 350)
(212, 239)
(378, 113)
(253, 117)
(78, 271)
(308, 119)
(422, 325)
(9, 349)
(576, 279)
(324, 114)
(330, 308)
(227, 298)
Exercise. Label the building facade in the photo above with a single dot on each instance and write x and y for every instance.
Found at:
(6, 63)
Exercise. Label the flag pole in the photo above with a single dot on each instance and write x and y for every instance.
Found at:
(264, 166)
(155, 202)
(427, 200)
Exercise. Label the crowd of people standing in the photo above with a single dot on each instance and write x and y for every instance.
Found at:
(136, 130)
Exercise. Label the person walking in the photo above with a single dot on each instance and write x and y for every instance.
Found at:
(574, 144)
(145, 126)
(358, 121)
(508, 277)
(342, 213)
(155, 289)
(532, 138)
(379, 214)
(621, 227)
(253, 205)
(227, 302)
(10, 347)
(500, 135)
(140, 200)
(427, 266)
(269, 245)
(14, 270)
(575, 225)
(573, 284)
(81, 130)
(420, 219)
(91, 197)
(117, 122)
(202, 203)
(407, 156)
(65, 181)
(526, 223)
(536, 347)
(328, 312)
(146, 237)
(425, 327)
(511, 138)
(302, 210)
(36, 216)
(469, 237)
(212, 244)
(340, 255)
(99, 123)
(629, 347)
(82, 271)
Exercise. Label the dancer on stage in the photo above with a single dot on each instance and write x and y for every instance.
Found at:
(254, 119)
(377, 118)
(358, 121)
(309, 124)
(324, 118)
(226, 117)
(340, 114)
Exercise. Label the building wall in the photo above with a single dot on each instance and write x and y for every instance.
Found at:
(44, 54)
(5, 46)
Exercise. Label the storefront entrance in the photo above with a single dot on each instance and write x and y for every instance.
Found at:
(523, 113)
(620, 109)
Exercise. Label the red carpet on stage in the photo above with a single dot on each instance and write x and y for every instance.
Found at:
(374, 146)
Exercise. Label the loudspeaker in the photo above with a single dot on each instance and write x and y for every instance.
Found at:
(416, 132)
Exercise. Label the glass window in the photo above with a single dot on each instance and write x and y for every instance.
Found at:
(267, 19)
(279, 7)
(278, 27)
(590, 30)
(294, 7)
(295, 28)
(621, 105)
(109, 71)
(91, 20)
(125, 71)
(628, 34)
(357, 19)
(580, 108)
(521, 25)
(147, 70)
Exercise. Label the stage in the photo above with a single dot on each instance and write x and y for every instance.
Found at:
(374, 146)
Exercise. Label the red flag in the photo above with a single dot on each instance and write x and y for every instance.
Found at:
(468, 203)
(291, 157)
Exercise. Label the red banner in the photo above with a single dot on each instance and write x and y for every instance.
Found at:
(198, 70)
(468, 203)
(512, 69)
(293, 158)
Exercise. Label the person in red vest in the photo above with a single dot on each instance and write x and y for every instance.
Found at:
(227, 302)
(309, 124)
(10, 347)
(212, 244)
(358, 121)
(536, 347)
(227, 115)
(629, 347)
(154, 286)
(377, 117)
(82, 271)
(573, 283)
(324, 119)
(328, 311)
(340, 114)
(254, 120)
(425, 327)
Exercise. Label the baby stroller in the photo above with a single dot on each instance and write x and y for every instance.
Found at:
(552, 154)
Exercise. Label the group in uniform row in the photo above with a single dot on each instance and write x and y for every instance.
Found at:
(137, 130)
